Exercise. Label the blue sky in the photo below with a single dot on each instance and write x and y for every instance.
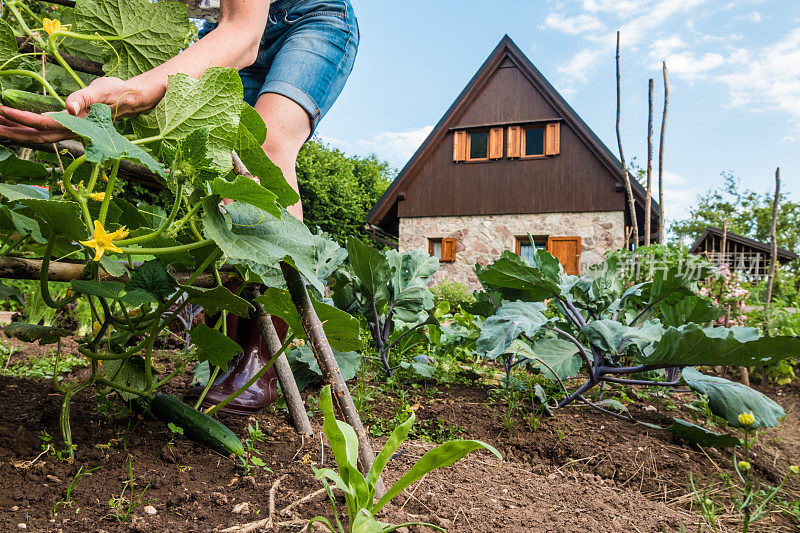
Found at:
(734, 78)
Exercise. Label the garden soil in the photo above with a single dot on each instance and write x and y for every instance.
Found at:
(581, 470)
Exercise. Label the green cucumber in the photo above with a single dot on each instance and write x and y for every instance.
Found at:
(35, 103)
(196, 426)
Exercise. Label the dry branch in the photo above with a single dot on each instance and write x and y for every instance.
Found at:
(77, 63)
(661, 155)
(626, 177)
(773, 239)
(23, 268)
(648, 200)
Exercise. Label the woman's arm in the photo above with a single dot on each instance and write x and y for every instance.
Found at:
(234, 43)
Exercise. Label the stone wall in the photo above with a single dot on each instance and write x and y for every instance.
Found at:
(481, 239)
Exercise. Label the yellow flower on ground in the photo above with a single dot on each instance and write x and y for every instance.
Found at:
(99, 196)
(103, 242)
(51, 26)
(794, 469)
(744, 466)
(746, 419)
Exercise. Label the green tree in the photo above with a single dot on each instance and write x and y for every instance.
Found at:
(339, 190)
(748, 213)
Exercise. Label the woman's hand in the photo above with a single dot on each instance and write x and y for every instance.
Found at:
(124, 97)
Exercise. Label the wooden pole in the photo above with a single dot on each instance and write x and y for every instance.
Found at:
(724, 242)
(662, 214)
(625, 176)
(773, 239)
(294, 402)
(23, 268)
(328, 365)
(648, 201)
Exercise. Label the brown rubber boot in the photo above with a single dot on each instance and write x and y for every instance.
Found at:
(241, 369)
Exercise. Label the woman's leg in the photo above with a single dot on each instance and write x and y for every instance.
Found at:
(288, 128)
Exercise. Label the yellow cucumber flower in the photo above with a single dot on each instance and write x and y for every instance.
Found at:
(51, 26)
(99, 196)
(746, 419)
(103, 241)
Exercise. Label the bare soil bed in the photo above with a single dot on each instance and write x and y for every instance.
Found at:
(579, 471)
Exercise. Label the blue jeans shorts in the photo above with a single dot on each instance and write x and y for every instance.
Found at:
(306, 54)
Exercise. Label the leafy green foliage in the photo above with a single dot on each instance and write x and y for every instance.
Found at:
(142, 34)
(339, 190)
(213, 346)
(728, 399)
(306, 369)
(359, 490)
(103, 141)
(702, 436)
(35, 333)
(511, 320)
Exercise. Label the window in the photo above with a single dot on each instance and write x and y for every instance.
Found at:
(525, 250)
(478, 145)
(566, 249)
(533, 142)
(442, 249)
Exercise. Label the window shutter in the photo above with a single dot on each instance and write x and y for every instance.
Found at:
(514, 141)
(448, 249)
(496, 143)
(552, 139)
(460, 146)
(568, 251)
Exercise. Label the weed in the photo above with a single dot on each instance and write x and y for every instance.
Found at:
(256, 433)
(708, 508)
(38, 368)
(123, 506)
(61, 454)
(251, 461)
(68, 501)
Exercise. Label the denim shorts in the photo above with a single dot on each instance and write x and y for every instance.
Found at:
(306, 54)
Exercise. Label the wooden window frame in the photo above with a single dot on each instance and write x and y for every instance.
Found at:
(442, 240)
(469, 158)
(523, 239)
(522, 138)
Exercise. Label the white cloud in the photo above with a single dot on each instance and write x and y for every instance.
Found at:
(768, 79)
(578, 24)
(579, 66)
(396, 147)
(755, 16)
(664, 47)
(678, 196)
(689, 66)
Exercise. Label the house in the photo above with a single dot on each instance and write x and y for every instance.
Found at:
(747, 257)
(509, 158)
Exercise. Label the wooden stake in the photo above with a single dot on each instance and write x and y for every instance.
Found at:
(724, 245)
(329, 367)
(648, 200)
(773, 240)
(661, 236)
(626, 177)
(294, 402)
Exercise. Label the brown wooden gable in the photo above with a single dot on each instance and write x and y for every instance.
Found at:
(506, 90)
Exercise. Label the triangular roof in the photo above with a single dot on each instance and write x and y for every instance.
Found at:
(506, 49)
(784, 256)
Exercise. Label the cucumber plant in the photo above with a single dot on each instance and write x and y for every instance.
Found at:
(653, 333)
(128, 258)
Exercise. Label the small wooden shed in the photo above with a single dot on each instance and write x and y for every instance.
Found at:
(745, 256)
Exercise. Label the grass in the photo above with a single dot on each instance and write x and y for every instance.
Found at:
(37, 368)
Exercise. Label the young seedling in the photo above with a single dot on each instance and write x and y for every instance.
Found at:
(68, 501)
(359, 491)
(123, 506)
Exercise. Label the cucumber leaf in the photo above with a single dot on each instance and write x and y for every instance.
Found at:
(341, 329)
(245, 190)
(104, 142)
(213, 102)
(255, 239)
(304, 364)
(143, 34)
(14, 168)
(35, 333)
(129, 373)
(213, 346)
(249, 137)
(218, 299)
(153, 278)
(728, 400)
